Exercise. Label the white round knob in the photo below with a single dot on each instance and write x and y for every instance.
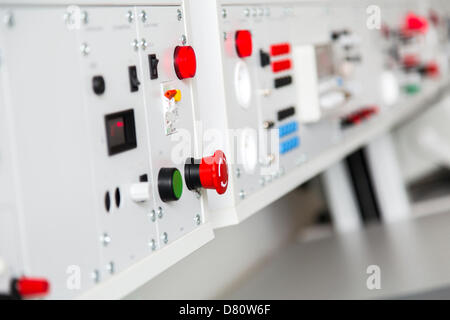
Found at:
(140, 192)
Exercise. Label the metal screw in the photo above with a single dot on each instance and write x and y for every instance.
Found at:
(95, 275)
(183, 39)
(152, 244)
(198, 194)
(143, 16)
(153, 216)
(198, 219)
(165, 237)
(85, 17)
(179, 15)
(105, 239)
(224, 13)
(247, 12)
(85, 49)
(160, 212)
(130, 16)
(238, 172)
(260, 12)
(110, 267)
(242, 194)
(254, 12)
(9, 19)
(267, 12)
(135, 44)
(144, 44)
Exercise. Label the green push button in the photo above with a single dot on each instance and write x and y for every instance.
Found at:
(177, 184)
(170, 184)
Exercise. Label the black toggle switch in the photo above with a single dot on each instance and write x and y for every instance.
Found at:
(134, 81)
(98, 85)
(153, 63)
(264, 58)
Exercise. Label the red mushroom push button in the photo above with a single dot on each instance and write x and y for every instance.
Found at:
(209, 173)
(185, 62)
(244, 44)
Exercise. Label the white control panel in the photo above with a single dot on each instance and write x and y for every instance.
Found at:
(97, 105)
(288, 82)
(116, 119)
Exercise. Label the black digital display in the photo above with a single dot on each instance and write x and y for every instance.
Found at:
(120, 131)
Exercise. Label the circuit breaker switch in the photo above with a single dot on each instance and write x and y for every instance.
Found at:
(140, 192)
(170, 184)
(209, 173)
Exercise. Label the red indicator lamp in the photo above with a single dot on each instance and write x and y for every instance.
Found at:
(31, 287)
(119, 124)
(244, 44)
(431, 69)
(209, 173)
(185, 62)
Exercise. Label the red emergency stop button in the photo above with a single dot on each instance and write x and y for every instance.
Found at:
(185, 62)
(244, 44)
(209, 173)
(31, 287)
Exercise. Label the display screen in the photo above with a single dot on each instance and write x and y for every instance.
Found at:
(120, 131)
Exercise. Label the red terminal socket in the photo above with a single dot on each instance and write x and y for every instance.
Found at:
(431, 69)
(244, 46)
(185, 62)
(209, 173)
(281, 65)
(31, 287)
(279, 49)
(410, 61)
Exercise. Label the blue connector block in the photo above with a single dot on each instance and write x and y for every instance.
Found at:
(288, 128)
(289, 144)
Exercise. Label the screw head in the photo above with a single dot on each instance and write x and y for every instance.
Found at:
(160, 212)
(224, 13)
(254, 12)
(144, 44)
(179, 14)
(238, 172)
(152, 244)
(183, 39)
(95, 275)
(153, 216)
(242, 194)
(85, 17)
(165, 237)
(110, 267)
(135, 44)
(8, 20)
(143, 16)
(247, 12)
(105, 239)
(130, 16)
(85, 49)
(197, 219)
(260, 12)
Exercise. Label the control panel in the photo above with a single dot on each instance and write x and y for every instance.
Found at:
(98, 125)
(129, 132)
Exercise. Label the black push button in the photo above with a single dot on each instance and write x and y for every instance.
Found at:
(98, 85)
(134, 81)
(153, 64)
